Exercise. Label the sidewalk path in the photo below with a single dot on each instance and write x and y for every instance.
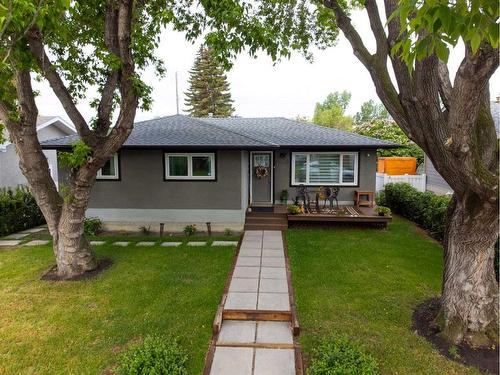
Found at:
(255, 334)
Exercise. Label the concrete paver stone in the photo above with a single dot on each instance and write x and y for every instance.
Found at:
(36, 243)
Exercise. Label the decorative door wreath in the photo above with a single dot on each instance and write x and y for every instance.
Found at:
(261, 172)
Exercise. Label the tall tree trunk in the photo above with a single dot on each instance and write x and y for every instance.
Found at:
(469, 300)
(71, 248)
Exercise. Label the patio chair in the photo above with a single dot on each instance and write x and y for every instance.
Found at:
(330, 194)
(303, 194)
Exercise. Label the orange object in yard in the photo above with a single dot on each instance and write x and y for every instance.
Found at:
(397, 165)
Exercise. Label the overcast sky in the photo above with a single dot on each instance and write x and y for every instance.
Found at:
(259, 88)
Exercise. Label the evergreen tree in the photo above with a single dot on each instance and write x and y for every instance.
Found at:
(208, 94)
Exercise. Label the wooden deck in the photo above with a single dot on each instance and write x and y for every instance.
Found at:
(345, 214)
(278, 219)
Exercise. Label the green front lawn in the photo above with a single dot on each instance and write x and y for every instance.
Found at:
(365, 283)
(80, 327)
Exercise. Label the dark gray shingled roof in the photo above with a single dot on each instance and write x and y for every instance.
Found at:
(234, 132)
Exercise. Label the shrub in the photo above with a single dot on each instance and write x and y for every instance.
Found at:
(145, 230)
(293, 209)
(228, 232)
(18, 210)
(92, 226)
(426, 209)
(337, 355)
(156, 355)
(382, 210)
(190, 229)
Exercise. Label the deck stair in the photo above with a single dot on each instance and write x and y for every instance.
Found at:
(266, 221)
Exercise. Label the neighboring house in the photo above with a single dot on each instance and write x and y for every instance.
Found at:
(48, 127)
(180, 170)
(435, 182)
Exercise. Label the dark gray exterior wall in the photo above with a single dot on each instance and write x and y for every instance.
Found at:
(142, 185)
(367, 168)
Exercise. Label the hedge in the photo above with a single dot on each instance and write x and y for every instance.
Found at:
(426, 209)
(18, 210)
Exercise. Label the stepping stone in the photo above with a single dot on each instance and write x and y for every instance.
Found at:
(237, 331)
(247, 272)
(273, 301)
(171, 244)
(36, 243)
(227, 360)
(244, 285)
(145, 243)
(274, 362)
(197, 243)
(97, 243)
(272, 273)
(224, 243)
(33, 230)
(241, 301)
(121, 243)
(274, 333)
(9, 242)
(16, 236)
(273, 286)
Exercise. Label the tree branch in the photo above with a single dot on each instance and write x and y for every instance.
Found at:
(32, 160)
(111, 40)
(445, 87)
(377, 29)
(34, 38)
(377, 66)
(129, 97)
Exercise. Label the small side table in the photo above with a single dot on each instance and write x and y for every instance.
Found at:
(361, 202)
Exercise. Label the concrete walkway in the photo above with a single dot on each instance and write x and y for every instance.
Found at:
(255, 336)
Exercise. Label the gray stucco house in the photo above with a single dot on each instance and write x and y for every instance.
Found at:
(434, 181)
(48, 127)
(180, 170)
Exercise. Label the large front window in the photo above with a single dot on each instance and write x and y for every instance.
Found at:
(325, 168)
(196, 166)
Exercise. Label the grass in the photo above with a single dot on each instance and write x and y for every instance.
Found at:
(80, 327)
(365, 283)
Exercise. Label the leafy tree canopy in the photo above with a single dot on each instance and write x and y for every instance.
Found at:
(331, 112)
(388, 130)
(369, 111)
(436, 27)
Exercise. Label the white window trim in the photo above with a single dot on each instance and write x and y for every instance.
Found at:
(340, 183)
(190, 176)
(116, 176)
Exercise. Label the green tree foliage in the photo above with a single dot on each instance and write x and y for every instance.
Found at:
(388, 130)
(369, 111)
(209, 91)
(331, 112)
(2, 133)
(437, 26)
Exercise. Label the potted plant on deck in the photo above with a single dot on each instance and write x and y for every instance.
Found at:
(383, 211)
